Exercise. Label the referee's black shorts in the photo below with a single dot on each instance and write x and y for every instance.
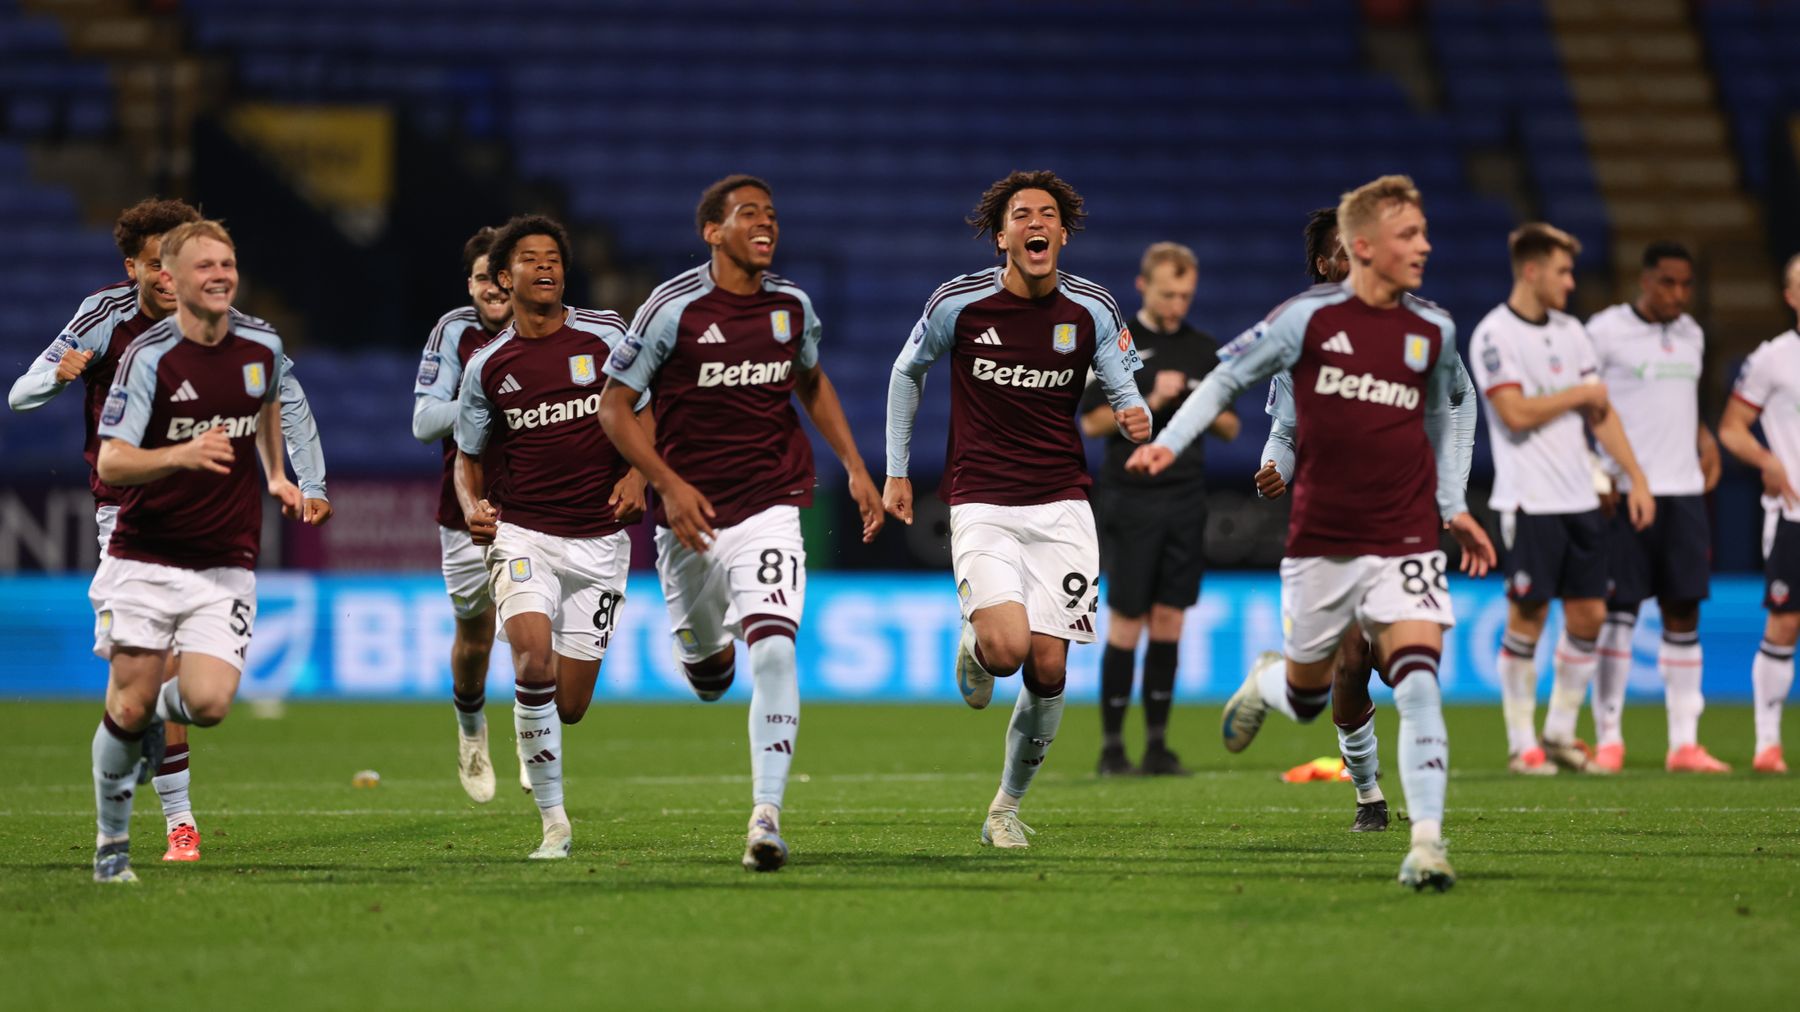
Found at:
(1152, 547)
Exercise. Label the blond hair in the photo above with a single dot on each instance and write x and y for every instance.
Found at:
(1536, 240)
(1359, 208)
(1168, 253)
(181, 235)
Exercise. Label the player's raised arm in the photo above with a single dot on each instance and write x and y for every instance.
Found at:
(57, 367)
(1257, 354)
(934, 334)
(1278, 450)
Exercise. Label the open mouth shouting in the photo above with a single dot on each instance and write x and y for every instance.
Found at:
(1037, 250)
(763, 244)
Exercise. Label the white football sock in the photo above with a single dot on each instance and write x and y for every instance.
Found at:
(774, 716)
(1029, 734)
(1575, 663)
(172, 788)
(1611, 678)
(1271, 684)
(1773, 675)
(169, 704)
(1518, 691)
(1679, 663)
(471, 714)
(1360, 758)
(540, 745)
(1424, 742)
(115, 779)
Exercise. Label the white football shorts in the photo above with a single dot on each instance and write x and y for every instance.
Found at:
(1321, 597)
(155, 607)
(1045, 557)
(578, 582)
(755, 569)
(465, 573)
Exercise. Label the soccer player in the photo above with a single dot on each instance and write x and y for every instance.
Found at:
(1352, 709)
(1152, 530)
(458, 335)
(191, 397)
(1769, 388)
(1650, 354)
(89, 348)
(1021, 337)
(726, 347)
(1373, 371)
(1538, 374)
(544, 488)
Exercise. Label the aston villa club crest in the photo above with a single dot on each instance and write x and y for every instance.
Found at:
(1418, 352)
(519, 570)
(256, 379)
(1063, 338)
(581, 370)
(781, 324)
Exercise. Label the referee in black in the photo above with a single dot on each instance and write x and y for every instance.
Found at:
(1152, 530)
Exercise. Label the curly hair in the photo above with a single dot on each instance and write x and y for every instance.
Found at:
(147, 219)
(711, 210)
(989, 216)
(1321, 238)
(507, 239)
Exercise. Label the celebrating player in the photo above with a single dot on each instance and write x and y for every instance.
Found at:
(1650, 354)
(459, 334)
(89, 347)
(1352, 709)
(726, 347)
(1537, 371)
(191, 397)
(541, 485)
(1020, 337)
(1769, 388)
(1373, 371)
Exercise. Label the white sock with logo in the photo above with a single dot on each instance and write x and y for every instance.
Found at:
(1772, 675)
(115, 753)
(1033, 727)
(1424, 742)
(1575, 663)
(1680, 663)
(1611, 678)
(1518, 691)
(774, 716)
(541, 747)
(1361, 759)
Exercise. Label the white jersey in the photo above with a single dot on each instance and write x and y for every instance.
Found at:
(1770, 383)
(1652, 375)
(1542, 470)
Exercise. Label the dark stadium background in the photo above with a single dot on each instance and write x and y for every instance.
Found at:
(352, 146)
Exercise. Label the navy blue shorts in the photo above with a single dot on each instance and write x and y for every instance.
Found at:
(1152, 549)
(1554, 555)
(1781, 592)
(1671, 560)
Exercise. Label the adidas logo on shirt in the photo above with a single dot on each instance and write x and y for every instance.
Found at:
(712, 335)
(510, 385)
(988, 336)
(1340, 343)
(185, 393)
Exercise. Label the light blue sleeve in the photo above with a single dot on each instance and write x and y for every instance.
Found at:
(301, 434)
(1450, 415)
(1280, 408)
(127, 408)
(474, 411)
(39, 384)
(439, 381)
(1270, 347)
(646, 346)
(809, 338)
(1115, 360)
(932, 336)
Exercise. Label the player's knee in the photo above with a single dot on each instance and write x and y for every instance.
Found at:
(1583, 618)
(1528, 617)
(207, 706)
(570, 710)
(713, 675)
(1680, 616)
(467, 655)
(1002, 655)
(130, 714)
(1783, 628)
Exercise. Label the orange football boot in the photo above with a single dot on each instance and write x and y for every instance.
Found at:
(184, 844)
(1694, 759)
(1770, 760)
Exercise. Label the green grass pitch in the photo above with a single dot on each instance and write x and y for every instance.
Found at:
(1227, 890)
